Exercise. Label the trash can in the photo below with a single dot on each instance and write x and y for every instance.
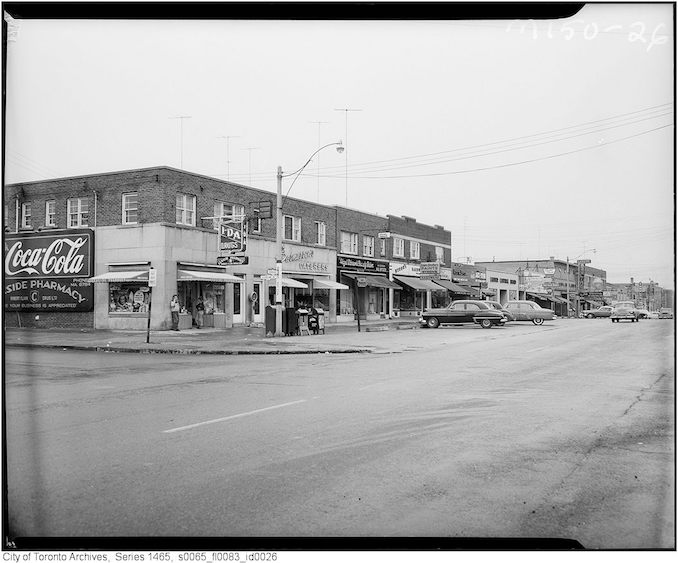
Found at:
(302, 321)
(318, 323)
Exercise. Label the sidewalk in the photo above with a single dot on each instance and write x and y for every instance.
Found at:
(338, 339)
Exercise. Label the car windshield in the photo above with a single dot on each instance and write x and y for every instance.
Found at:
(626, 304)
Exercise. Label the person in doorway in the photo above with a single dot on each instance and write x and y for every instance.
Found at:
(174, 309)
(200, 309)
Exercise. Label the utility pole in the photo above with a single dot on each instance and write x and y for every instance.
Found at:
(346, 110)
(181, 137)
(319, 123)
(250, 149)
(228, 162)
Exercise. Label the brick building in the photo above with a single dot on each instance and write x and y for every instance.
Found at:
(200, 237)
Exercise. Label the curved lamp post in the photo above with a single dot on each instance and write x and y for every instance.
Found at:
(279, 232)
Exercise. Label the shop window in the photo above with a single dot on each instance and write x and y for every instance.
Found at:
(349, 243)
(50, 213)
(130, 208)
(321, 299)
(292, 228)
(78, 212)
(320, 233)
(128, 298)
(26, 216)
(213, 295)
(185, 210)
(415, 250)
(368, 246)
(398, 247)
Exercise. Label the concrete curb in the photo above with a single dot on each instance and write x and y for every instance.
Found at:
(184, 351)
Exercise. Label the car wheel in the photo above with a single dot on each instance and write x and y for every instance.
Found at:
(433, 322)
(589, 316)
(486, 323)
(538, 321)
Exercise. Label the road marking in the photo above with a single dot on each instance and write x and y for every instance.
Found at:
(180, 428)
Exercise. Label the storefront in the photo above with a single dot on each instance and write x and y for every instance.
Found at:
(413, 294)
(220, 293)
(366, 288)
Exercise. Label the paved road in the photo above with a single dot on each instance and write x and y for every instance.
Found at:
(564, 430)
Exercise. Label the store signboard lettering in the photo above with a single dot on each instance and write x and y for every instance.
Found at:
(361, 265)
(232, 237)
(47, 272)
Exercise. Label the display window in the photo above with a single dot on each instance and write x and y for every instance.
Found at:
(321, 299)
(128, 298)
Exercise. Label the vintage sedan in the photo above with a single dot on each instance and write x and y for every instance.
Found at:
(524, 310)
(499, 307)
(625, 311)
(604, 311)
(665, 313)
(463, 312)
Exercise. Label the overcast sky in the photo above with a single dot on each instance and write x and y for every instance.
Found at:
(550, 141)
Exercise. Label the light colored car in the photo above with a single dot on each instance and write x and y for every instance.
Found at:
(499, 307)
(665, 313)
(524, 310)
(624, 311)
(604, 311)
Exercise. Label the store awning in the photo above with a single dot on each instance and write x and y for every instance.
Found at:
(417, 284)
(112, 277)
(471, 290)
(289, 282)
(373, 281)
(195, 275)
(329, 284)
(453, 287)
(542, 296)
(489, 292)
(558, 299)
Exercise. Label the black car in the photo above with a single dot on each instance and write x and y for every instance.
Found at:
(463, 312)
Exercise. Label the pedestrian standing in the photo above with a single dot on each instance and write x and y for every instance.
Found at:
(200, 308)
(174, 308)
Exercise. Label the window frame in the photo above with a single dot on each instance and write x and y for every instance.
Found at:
(368, 249)
(398, 247)
(295, 228)
(184, 209)
(50, 218)
(350, 245)
(125, 211)
(414, 245)
(81, 216)
(321, 233)
(26, 215)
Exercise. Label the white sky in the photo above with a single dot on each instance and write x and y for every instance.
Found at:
(452, 112)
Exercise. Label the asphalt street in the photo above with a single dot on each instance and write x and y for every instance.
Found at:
(559, 431)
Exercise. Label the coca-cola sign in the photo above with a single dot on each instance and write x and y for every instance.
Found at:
(48, 272)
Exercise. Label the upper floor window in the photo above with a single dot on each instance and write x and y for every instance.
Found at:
(50, 213)
(398, 247)
(26, 215)
(78, 212)
(130, 208)
(503, 280)
(186, 210)
(382, 244)
(292, 228)
(349, 243)
(494, 280)
(229, 211)
(254, 224)
(440, 254)
(368, 246)
(415, 250)
(320, 233)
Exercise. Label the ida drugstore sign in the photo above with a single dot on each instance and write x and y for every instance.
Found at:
(48, 272)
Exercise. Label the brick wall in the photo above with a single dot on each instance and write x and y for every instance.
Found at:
(49, 320)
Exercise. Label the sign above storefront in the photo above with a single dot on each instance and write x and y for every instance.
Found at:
(430, 270)
(233, 238)
(304, 260)
(361, 265)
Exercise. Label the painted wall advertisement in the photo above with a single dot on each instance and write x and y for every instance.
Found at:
(48, 271)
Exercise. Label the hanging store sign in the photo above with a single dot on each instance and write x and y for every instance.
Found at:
(48, 272)
(430, 270)
(232, 237)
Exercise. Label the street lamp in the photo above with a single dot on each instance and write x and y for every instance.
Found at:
(567, 278)
(279, 232)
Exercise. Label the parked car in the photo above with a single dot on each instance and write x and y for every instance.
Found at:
(462, 312)
(624, 310)
(604, 311)
(529, 311)
(665, 313)
(499, 307)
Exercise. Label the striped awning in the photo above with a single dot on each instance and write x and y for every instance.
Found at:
(113, 277)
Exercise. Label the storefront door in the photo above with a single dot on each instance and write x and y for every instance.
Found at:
(256, 304)
(238, 305)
